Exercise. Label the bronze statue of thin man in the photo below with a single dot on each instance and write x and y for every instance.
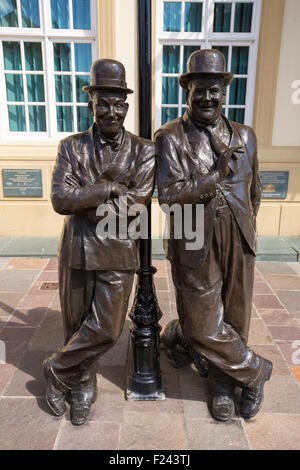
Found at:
(95, 274)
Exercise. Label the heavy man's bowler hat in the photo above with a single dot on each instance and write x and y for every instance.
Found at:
(205, 62)
(107, 74)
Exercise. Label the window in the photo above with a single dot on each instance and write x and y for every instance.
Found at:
(46, 51)
(232, 26)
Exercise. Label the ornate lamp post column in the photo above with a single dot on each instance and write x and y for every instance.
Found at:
(144, 380)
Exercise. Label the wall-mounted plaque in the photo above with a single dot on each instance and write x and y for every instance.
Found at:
(22, 183)
(274, 184)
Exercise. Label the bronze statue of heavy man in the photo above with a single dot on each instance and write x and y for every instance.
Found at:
(95, 272)
(204, 158)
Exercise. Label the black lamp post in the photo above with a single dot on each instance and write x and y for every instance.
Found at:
(144, 380)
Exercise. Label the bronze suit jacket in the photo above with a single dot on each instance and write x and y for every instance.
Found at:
(183, 178)
(79, 166)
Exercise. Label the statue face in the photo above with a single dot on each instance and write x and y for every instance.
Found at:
(109, 110)
(205, 98)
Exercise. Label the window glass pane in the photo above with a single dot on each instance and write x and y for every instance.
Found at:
(60, 14)
(64, 115)
(37, 119)
(237, 93)
(30, 13)
(63, 88)
(81, 14)
(16, 116)
(172, 16)
(12, 55)
(243, 17)
(224, 50)
(237, 115)
(168, 114)
(14, 87)
(187, 51)
(84, 118)
(62, 57)
(8, 13)
(239, 61)
(81, 96)
(35, 87)
(33, 56)
(193, 17)
(222, 17)
(83, 57)
(171, 56)
(170, 90)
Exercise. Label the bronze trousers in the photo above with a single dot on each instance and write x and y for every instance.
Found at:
(214, 302)
(94, 306)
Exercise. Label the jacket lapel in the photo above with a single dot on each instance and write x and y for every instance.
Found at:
(235, 141)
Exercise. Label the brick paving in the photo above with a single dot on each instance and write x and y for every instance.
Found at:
(30, 327)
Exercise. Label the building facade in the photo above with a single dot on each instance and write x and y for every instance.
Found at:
(47, 47)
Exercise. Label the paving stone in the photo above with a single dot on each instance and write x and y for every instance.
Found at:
(28, 379)
(277, 317)
(117, 355)
(8, 303)
(296, 372)
(94, 435)
(290, 300)
(49, 336)
(160, 265)
(258, 333)
(258, 276)
(16, 280)
(166, 431)
(261, 287)
(108, 406)
(274, 432)
(4, 261)
(111, 378)
(266, 301)
(287, 333)
(290, 351)
(26, 318)
(26, 425)
(16, 341)
(40, 300)
(48, 276)
(55, 303)
(27, 263)
(161, 283)
(283, 282)
(6, 373)
(295, 267)
(282, 395)
(272, 353)
(270, 267)
(52, 265)
(208, 434)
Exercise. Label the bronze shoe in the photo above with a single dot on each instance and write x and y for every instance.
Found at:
(222, 407)
(79, 413)
(55, 393)
(252, 396)
(221, 400)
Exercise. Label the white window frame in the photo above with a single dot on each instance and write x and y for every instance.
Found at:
(46, 36)
(206, 39)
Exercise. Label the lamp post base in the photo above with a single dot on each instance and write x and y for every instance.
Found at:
(144, 380)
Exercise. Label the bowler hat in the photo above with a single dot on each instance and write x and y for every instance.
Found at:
(107, 74)
(206, 62)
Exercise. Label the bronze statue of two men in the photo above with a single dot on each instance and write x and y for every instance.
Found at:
(201, 158)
